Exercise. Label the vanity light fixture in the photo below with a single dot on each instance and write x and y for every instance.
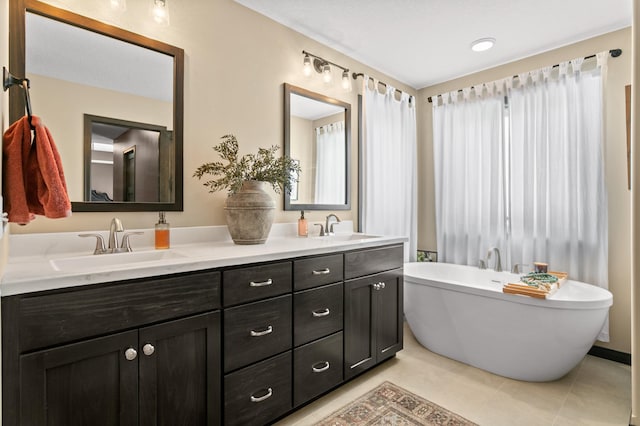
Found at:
(323, 67)
(346, 81)
(119, 5)
(161, 12)
(326, 73)
(307, 68)
(483, 44)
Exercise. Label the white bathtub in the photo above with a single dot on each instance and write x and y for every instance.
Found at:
(460, 312)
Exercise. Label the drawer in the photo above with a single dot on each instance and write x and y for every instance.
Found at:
(317, 271)
(54, 318)
(317, 313)
(256, 331)
(371, 261)
(258, 394)
(317, 368)
(255, 282)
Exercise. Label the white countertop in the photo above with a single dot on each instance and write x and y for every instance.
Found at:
(32, 257)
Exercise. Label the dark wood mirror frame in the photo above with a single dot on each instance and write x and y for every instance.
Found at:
(17, 16)
(288, 90)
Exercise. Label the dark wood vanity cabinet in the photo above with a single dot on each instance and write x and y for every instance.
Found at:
(373, 308)
(240, 345)
(114, 354)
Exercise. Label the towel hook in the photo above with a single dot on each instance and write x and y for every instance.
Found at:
(9, 80)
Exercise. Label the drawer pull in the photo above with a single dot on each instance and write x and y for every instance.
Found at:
(261, 283)
(322, 313)
(324, 271)
(263, 397)
(264, 332)
(325, 367)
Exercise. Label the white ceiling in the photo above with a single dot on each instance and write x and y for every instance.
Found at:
(425, 42)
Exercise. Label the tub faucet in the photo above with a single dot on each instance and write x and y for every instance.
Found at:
(496, 265)
(328, 229)
(114, 228)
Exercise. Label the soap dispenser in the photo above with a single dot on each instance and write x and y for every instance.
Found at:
(162, 232)
(303, 229)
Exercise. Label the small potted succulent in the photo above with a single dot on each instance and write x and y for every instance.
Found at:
(249, 209)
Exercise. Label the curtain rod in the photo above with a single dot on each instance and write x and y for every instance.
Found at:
(613, 52)
(355, 77)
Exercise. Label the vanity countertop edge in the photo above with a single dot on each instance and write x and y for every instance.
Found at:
(26, 274)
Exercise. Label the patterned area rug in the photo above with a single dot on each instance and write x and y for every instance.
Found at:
(389, 404)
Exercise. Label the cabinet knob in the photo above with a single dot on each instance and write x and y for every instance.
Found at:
(130, 354)
(376, 286)
(382, 284)
(263, 397)
(148, 349)
(321, 313)
(264, 332)
(320, 367)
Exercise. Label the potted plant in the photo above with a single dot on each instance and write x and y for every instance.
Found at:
(248, 208)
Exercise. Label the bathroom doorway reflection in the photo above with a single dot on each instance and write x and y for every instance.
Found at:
(127, 161)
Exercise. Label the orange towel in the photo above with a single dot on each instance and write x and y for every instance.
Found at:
(33, 180)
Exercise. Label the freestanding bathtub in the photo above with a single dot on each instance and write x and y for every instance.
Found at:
(461, 312)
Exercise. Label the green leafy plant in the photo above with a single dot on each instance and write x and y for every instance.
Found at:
(264, 166)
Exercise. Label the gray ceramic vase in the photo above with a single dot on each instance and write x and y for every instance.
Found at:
(250, 213)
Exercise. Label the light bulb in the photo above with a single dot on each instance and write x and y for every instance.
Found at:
(161, 12)
(119, 5)
(307, 68)
(346, 81)
(326, 73)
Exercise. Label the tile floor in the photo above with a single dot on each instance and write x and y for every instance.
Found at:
(596, 392)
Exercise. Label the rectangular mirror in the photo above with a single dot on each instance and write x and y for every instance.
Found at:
(317, 134)
(80, 68)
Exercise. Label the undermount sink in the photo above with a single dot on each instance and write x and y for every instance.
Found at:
(112, 260)
(347, 237)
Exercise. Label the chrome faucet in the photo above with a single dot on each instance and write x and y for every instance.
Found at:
(114, 228)
(329, 228)
(496, 265)
(518, 268)
(114, 246)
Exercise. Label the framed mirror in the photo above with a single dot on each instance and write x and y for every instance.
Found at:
(88, 77)
(317, 134)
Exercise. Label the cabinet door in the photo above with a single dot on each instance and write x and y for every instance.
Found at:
(180, 378)
(86, 383)
(389, 314)
(359, 326)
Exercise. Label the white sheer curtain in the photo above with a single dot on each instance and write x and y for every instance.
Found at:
(558, 197)
(330, 164)
(469, 179)
(389, 151)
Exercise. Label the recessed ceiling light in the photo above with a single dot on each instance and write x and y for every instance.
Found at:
(483, 44)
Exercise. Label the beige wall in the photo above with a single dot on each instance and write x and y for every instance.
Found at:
(635, 219)
(236, 62)
(616, 163)
(303, 151)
